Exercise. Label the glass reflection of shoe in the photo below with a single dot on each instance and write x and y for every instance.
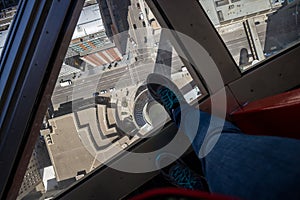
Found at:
(178, 173)
(166, 93)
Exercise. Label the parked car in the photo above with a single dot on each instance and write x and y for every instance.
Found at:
(132, 42)
(112, 89)
(65, 83)
(95, 94)
(103, 91)
(141, 16)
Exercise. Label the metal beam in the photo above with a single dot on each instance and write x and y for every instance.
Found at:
(32, 57)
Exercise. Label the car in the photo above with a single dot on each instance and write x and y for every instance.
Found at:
(112, 89)
(96, 94)
(103, 91)
(138, 5)
(132, 42)
(141, 16)
(134, 26)
(65, 83)
(144, 24)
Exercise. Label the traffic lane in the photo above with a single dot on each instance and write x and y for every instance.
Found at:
(123, 82)
(140, 75)
(140, 32)
(92, 78)
(83, 79)
(134, 11)
(235, 46)
(101, 84)
(112, 77)
(88, 83)
(107, 76)
(240, 32)
(133, 18)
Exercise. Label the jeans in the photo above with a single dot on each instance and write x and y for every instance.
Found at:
(241, 165)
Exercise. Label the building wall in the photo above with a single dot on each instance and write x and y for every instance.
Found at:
(220, 11)
(106, 17)
(32, 177)
(210, 9)
(115, 18)
(91, 37)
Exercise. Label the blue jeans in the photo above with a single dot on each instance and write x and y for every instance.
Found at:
(241, 165)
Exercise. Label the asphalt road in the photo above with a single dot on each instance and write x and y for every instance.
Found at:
(120, 77)
(141, 34)
(237, 39)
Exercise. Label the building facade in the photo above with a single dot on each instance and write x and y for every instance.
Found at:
(224, 11)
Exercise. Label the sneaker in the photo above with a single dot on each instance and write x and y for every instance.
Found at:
(178, 173)
(166, 93)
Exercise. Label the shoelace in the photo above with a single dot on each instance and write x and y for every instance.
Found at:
(167, 97)
(183, 177)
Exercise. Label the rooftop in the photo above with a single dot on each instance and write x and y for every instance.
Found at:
(67, 153)
(89, 22)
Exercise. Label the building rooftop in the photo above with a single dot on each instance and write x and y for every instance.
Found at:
(81, 141)
(89, 22)
(67, 153)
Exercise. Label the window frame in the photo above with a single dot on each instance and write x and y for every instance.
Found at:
(15, 152)
(28, 76)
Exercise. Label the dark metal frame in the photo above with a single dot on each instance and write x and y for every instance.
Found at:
(31, 61)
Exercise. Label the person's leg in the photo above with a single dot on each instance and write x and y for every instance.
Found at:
(245, 166)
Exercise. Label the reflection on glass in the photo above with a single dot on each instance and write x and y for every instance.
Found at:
(100, 105)
(8, 10)
(255, 30)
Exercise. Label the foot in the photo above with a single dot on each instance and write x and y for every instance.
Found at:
(178, 173)
(166, 93)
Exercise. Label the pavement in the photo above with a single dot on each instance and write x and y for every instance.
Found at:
(235, 38)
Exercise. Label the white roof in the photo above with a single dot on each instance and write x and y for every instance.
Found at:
(89, 22)
(49, 180)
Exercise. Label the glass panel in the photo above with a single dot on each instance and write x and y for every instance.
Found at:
(100, 105)
(8, 10)
(255, 30)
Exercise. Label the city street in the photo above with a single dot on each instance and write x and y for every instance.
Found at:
(140, 31)
(235, 38)
(119, 78)
(142, 58)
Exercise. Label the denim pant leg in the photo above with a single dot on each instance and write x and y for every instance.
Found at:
(245, 166)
